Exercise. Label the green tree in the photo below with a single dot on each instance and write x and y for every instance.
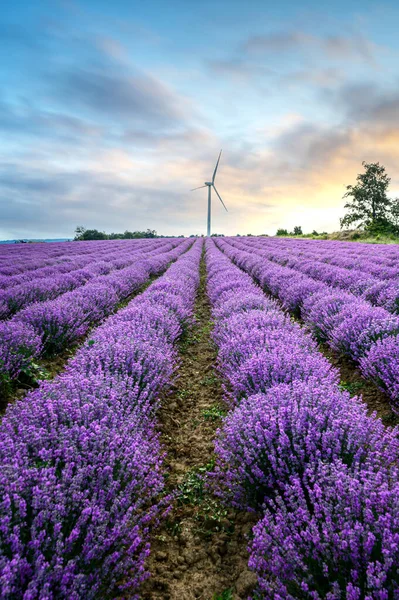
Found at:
(368, 205)
(298, 230)
(89, 234)
(282, 232)
(79, 232)
(395, 213)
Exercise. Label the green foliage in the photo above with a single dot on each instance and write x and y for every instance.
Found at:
(183, 393)
(36, 372)
(213, 414)
(297, 230)
(208, 380)
(282, 232)
(225, 595)
(192, 489)
(89, 234)
(5, 386)
(83, 234)
(368, 205)
(353, 388)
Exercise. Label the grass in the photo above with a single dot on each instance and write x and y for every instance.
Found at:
(210, 514)
(192, 489)
(214, 413)
(183, 393)
(351, 236)
(209, 380)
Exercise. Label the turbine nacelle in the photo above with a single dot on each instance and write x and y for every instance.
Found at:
(208, 182)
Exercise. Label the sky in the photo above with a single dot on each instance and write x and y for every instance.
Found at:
(110, 112)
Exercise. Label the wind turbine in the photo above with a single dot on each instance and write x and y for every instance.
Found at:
(210, 185)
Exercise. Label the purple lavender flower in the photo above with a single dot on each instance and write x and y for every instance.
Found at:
(19, 344)
(331, 533)
(381, 364)
(270, 437)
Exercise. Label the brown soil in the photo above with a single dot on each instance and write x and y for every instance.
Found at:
(201, 550)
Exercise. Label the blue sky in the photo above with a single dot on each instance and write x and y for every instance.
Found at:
(111, 111)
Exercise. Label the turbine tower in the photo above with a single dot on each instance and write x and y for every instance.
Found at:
(210, 185)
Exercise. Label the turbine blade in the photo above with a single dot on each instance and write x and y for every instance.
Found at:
(216, 168)
(198, 188)
(220, 198)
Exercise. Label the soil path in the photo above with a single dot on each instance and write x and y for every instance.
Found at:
(201, 550)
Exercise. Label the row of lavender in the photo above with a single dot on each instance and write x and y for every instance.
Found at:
(81, 466)
(34, 290)
(23, 258)
(376, 289)
(46, 328)
(351, 326)
(72, 261)
(321, 474)
(379, 260)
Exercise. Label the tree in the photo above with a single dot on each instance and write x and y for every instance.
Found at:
(369, 205)
(298, 230)
(395, 213)
(79, 231)
(89, 234)
(282, 232)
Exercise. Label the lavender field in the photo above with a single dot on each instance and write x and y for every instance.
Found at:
(177, 421)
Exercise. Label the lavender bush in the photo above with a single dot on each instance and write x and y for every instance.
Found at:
(332, 533)
(381, 364)
(272, 436)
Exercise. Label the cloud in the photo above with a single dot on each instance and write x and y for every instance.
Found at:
(368, 102)
(328, 77)
(137, 96)
(47, 200)
(27, 120)
(335, 47)
(239, 69)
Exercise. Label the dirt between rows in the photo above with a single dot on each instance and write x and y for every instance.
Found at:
(201, 549)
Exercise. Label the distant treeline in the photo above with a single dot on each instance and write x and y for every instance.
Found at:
(81, 233)
(298, 231)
